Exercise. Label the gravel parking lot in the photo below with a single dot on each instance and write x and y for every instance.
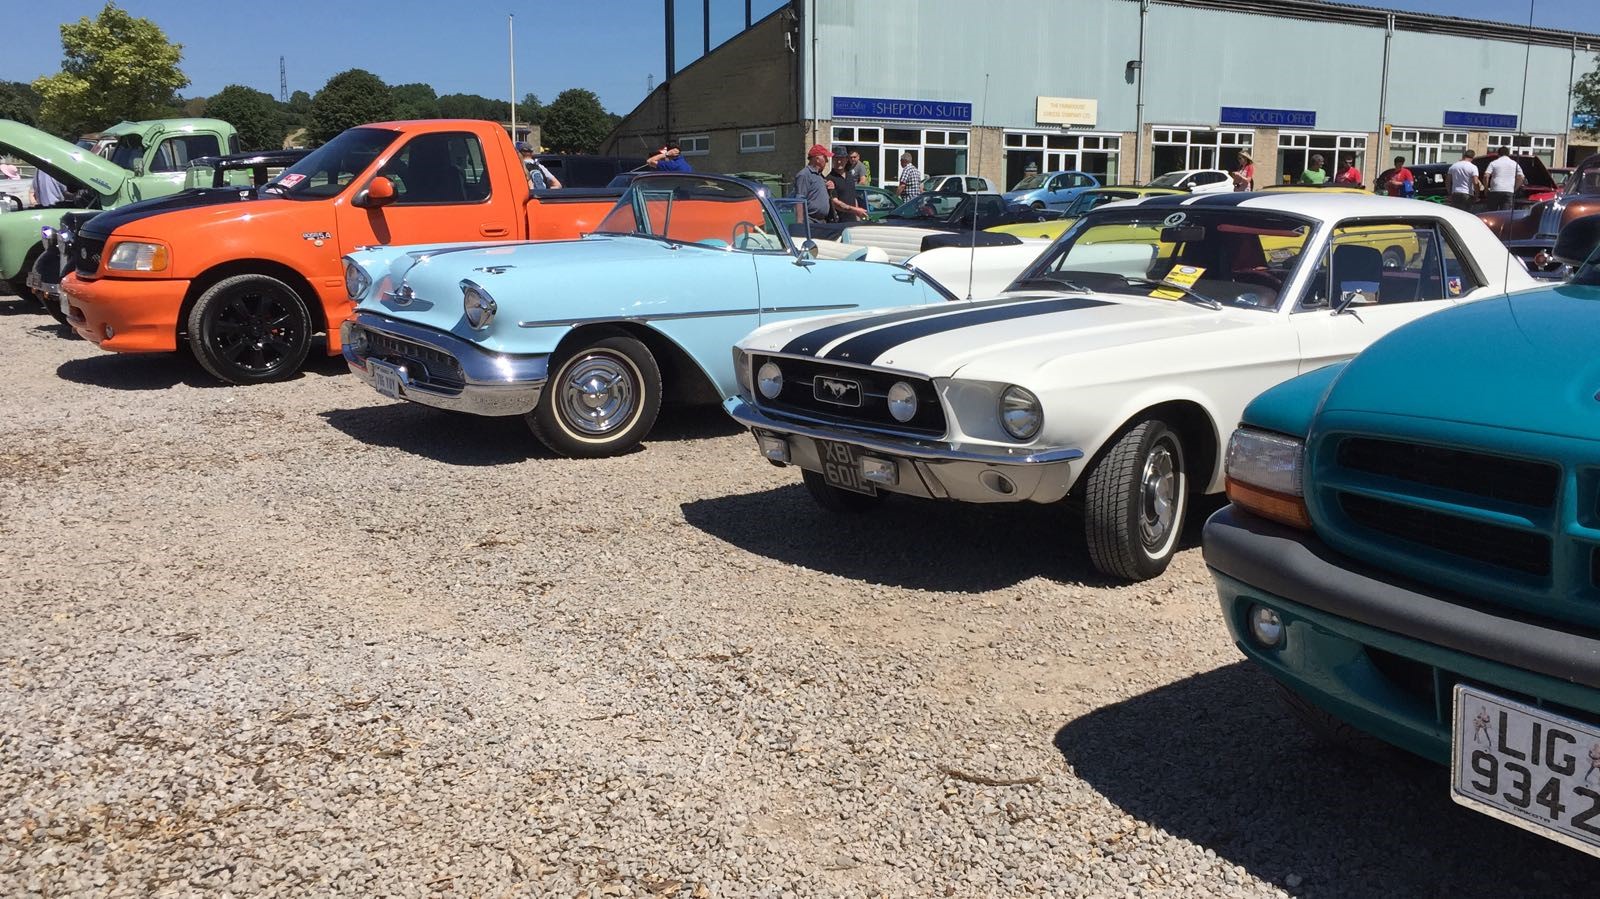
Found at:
(298, 640)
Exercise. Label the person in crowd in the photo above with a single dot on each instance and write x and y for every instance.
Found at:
(842, 193)
(910, 178)
(1505, 179)
(1401, 182)
(1314, 173)
(47, 191)
(669, 159)
(10, 172)
(539, 177)
(1349, 175)
(810, 186)
(1244, 176)
(1465, 185)
(859, 171)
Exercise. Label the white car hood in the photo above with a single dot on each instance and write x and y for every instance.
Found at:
(1021, 331)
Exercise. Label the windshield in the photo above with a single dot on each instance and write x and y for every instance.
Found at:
(331, 167)
(1170, 179)
(691, 210)
(1235, 257)
(1584, 180)
(928, 206)
(1088, 201)
(1029, 183)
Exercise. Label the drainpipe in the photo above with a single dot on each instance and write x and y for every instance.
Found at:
(1383, 99)
(1138, 101)
(812, 24)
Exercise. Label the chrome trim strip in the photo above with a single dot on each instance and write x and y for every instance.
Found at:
(496, 383)
(675, 316)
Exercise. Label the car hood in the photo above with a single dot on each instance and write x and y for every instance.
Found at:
(63, 161)
(1020, 332)
(104, 224)
(1017, 196)
(1525, 361)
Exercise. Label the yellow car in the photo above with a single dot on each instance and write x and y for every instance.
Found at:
(1085, 201)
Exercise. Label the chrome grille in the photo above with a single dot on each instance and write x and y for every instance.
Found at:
(804, 393)
(426, 366)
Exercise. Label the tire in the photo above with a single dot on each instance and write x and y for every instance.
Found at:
(1039, 205)
(601, 400)
(1329, 728)
(1394, 258)
(250, 329)
(835, 500)
(1134, 502)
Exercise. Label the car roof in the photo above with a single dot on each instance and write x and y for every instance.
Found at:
(1323, 205)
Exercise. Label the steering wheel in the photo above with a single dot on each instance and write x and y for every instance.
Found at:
(1254, 276)
(743, 231)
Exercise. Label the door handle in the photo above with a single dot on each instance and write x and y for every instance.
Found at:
(493, 231)
(905, 276)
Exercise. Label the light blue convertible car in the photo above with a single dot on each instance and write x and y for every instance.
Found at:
(587, 337)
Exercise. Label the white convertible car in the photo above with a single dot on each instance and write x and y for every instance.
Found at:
(1112, 370)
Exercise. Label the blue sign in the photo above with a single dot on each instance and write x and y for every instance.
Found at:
(920, 110)
(1582, 122)
(1485, 120)
(1270, 118)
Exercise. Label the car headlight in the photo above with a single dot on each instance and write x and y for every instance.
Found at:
(902, 402)
(769, 380)
(63, 239)
(1020, 414)
(477, 304)
(47, 236)
(356, 280)
(136, 256)
(1266, 475)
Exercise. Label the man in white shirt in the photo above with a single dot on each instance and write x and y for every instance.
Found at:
(1465, 185)
(1505, 179)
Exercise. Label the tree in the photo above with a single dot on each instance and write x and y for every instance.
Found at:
(115, 67)
(415, 101)
(352, 97)
(575, 122)
(256, 116)
(1586, 99)
(473, 106)
(530, 110)
(18, 102)
(193, 108)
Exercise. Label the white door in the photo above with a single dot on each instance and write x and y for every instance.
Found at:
(889, 164)
(1060, 161)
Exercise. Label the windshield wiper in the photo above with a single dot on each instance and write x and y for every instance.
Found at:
(1052, 283)
(1200, 298)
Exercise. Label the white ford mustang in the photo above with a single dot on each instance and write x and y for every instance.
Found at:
(1111, 371)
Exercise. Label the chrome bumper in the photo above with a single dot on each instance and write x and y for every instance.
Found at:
(972, 473)
(494, 383)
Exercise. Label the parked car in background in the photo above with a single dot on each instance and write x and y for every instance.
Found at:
(1412, 550)
(583, 170)
(1195, 181)
(1531, 231)
(1051, 190)
(252, 169)
(939, 212)
(1089, 199)
(1113, 368)
(878, 201)
(586, 338)
(959, 184)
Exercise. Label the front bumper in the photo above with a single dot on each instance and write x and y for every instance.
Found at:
(141, 314)
(973, 473)
(1380, 653)
(481, 382)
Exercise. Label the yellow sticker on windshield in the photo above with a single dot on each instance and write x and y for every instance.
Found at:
(1184, 275)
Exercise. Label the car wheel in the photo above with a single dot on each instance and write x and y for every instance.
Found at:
(249, 329)
(1394, 258)
(602, 399)
(836, 500)
(1134, 502)
(1328, 727)
(1038, 204)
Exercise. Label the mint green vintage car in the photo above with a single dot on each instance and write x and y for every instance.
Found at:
(148, 159)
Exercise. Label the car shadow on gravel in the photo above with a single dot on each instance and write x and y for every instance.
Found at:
(453, 438)
(1215, 759)
(161, 371)
(11, 304)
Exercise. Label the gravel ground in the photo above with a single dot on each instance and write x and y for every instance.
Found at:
(298, 640)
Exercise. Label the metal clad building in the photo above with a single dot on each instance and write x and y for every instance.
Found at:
(1124, 89)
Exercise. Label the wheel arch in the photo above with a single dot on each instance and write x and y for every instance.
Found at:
(683, 380)
(1202, 442)
(222, 271)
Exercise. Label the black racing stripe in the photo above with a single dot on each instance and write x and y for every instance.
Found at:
(1224, 199)
(868, 347)
(811, 342)
(101, 226)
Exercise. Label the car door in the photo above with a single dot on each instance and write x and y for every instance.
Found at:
(1374, 276)
(444, 192)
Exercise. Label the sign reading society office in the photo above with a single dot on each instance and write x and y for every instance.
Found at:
(1067, 111)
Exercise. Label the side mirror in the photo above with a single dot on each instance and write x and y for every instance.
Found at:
(808, 252)
(138, 167)
(378, 192)
(1578, 240)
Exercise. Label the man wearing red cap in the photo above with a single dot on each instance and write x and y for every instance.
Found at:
(810, 186)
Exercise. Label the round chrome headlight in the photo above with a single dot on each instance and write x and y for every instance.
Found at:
(769, 380)
(1020, 414)
(47, 235)
(356, 280)
(477, 304)
(902, 402)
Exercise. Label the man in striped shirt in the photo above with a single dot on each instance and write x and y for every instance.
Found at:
(910, 177)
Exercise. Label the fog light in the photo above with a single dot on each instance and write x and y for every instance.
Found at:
(1266, 628)
(880, 471)
(775, 448)
(110, 332)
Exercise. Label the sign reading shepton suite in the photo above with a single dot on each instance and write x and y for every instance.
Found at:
(914, 110)
(1488, 121)
(1067, 111)
(1268, 118)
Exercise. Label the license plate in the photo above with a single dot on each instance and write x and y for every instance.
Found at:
(386, 378)
(841, 467)
(1527, 767)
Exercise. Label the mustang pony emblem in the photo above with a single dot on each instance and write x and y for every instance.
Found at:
(839, 391)
(837, 388)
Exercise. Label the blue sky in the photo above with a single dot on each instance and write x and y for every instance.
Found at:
(609, 46)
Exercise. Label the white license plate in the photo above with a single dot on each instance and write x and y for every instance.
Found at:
(66, 304)
(1527, 767)
(386, 378)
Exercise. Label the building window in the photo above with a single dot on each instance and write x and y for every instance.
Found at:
(1180, 149)
(1540, 145)
(695, 144)
(758, 141)
(1038, 152)
(935, 151)
(1420, 147)
(1295, 149)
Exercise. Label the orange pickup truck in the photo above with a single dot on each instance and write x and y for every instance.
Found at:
(247, 276)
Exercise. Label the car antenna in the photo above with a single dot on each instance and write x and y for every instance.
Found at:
(972, 253)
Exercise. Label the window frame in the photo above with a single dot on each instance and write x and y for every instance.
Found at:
(700, 142)
(771, 134)
(1444, 236)
(395, 153)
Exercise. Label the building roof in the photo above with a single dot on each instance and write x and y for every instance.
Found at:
(1356, 14)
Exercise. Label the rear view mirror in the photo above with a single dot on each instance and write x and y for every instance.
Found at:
(1578, 240)
(1183, 234)
(378, 192)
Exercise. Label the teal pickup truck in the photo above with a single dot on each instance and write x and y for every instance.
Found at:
(1413, 547)
(147, 159)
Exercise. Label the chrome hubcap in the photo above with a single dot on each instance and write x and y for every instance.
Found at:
(598, 395)
(1158, 497)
